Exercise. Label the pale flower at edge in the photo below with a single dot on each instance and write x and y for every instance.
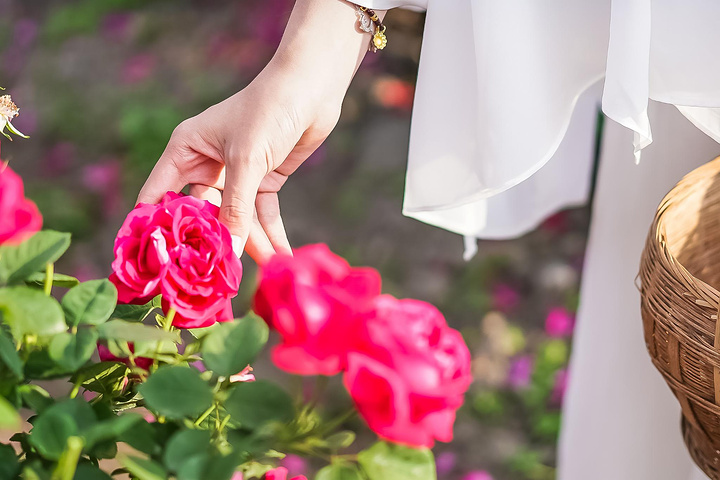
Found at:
(8, 111)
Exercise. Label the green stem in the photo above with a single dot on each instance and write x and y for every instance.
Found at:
(49, 272)
(337, 421)
(167, 326)
(67, 464)
(76, 387)
(204, 415)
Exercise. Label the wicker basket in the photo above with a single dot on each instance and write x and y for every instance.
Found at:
(680, 271)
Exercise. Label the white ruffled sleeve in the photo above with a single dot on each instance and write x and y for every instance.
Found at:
(508, 95)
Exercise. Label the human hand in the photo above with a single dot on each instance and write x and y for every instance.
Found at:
(241, 151)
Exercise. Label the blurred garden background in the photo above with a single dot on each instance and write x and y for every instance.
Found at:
(102, 84)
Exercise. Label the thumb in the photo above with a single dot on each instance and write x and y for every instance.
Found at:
(242, 181)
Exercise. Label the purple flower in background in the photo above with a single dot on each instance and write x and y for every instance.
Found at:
(138, 68)
(296, 465)
(445, 463)
(477, 475)
(520, 371)
(116, 26)
(26, 31)
(558, 392)
(59, 159)
(504, 297)
(559, 323)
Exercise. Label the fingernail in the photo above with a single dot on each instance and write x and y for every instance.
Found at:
(237, 245)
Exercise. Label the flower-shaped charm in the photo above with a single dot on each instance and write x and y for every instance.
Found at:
(379, 39)
(8, 111)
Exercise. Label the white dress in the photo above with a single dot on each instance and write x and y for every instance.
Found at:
(502, 136)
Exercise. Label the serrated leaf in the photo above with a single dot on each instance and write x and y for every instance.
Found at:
(386, 461)
(72, 351)
(9, 355)
(183, 445)
(50, 433)
(254, 404)
(104, 377)
(133, 313)
(340, 471)
(89, 303)
(19, 262)
(176, 392)
(9, 417)
(30, 312)
(134, 332)
(110, 429)
(231, 346)
(59, 280)
(35, 397)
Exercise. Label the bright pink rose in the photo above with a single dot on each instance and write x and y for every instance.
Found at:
(107, 356)
(410, 373)
(19, 217)
(281, 473)
(178, 248)
(316, 301)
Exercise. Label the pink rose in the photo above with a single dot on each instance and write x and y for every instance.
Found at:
(19, 217)
(281, 473)
(316, 301)
(410, 373)
(559, 323)
(180, 249)
(107, 356)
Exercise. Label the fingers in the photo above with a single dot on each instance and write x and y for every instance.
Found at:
(242, 180)
(203, 192)
(268, 216)
(165, 177)
(258, 245)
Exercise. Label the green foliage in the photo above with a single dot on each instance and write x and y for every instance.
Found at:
(231, 346)
(203, 425)
(177, 392)
(385, 461)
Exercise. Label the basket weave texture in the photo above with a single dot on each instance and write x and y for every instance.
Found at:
(680, 275)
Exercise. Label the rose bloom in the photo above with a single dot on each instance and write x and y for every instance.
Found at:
(107, 356)
(19, 217)
(410, 373)
(315, 301)
(180, 249)
(281, 473)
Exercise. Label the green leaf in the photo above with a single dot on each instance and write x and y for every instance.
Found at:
(134, 332)
(184, 445)
(50, 433)
(19, 262)
(176, 392)
(386, 461)
(9, 355)
(9, 465)
(9, 417)
(110, 429)
(37, 279)
(254, 404)
(30, 312)
(204, 466)
(77, 409)
(133, 313)
(143, 468)
(88, 471)
(90, 303)
(39, 366)
(143, 437)
(104, 377)
(340, 440)
(73, 351)
(35, 397)
(340, 471)
(231, 346)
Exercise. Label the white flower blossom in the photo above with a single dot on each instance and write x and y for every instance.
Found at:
(8, 111)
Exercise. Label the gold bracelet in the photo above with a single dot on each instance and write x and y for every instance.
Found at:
(369, 21)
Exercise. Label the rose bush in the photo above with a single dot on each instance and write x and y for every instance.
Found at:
(158, 370)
